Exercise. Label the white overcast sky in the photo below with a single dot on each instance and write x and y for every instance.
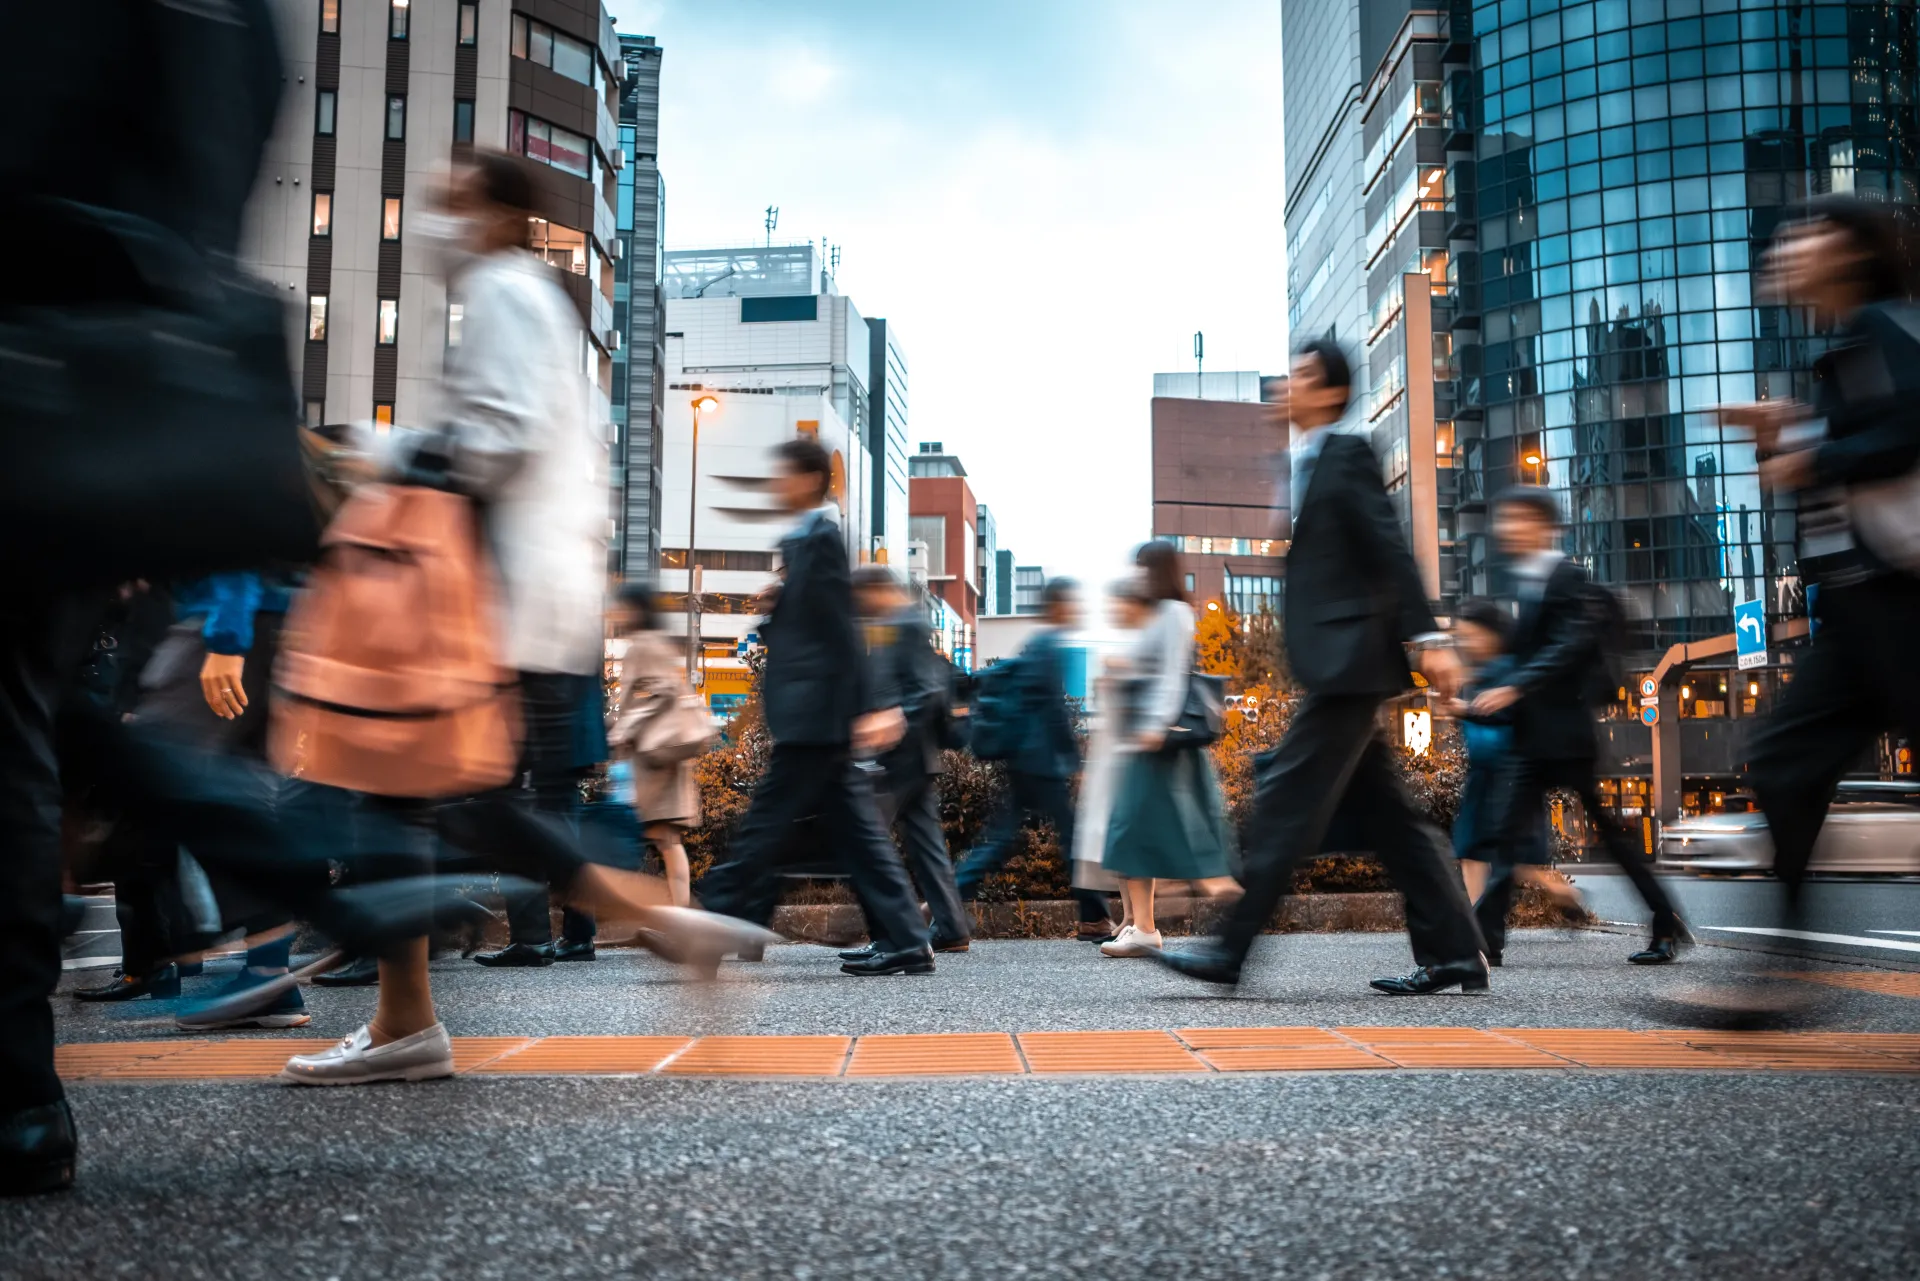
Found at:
(1047, 197)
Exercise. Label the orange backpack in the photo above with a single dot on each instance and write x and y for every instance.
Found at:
(390, 679)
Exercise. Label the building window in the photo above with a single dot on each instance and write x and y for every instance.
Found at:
(469, 24)
(323, 213)
(317, 318)
(754, 311)
(316, 413)
(462, 120)
(330, 16)
(323, 107)
(549, 144)
(397, 19)
(396, 117)
(383, 414)
(389, 322)
(714, 559)
(562, 247)
(1190, 582)
(537, 42)
(931, 530)
(390, 218)
(456, 312)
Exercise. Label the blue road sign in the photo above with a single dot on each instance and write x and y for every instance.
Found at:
(1650, 714)
(1750, 633)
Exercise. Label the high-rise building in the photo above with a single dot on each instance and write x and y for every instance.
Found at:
(986, 559)
(887, 441)
(1230, 384)
(1003, 582)
(639, 314)
(945, 518)
(1218, 487)
(1029, 585)
(380, 98)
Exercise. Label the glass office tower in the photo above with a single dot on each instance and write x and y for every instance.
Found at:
(1615, 171)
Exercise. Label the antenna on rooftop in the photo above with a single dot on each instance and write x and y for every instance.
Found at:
(773, 220)
(834, 260)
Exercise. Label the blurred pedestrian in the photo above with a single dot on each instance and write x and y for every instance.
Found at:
(1481, 629)
(1043, 759)
(909, 674)
(1168, 822)
(1354, 603)
(822, 718)
(653, 682)
(1850, 458)
(1560, 661)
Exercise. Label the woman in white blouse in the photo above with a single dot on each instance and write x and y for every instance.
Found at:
(1167, 822)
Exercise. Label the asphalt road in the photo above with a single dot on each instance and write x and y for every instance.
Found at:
(1870, 919)
(1415, 1174)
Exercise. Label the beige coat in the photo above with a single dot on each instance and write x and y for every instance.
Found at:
(652, 668)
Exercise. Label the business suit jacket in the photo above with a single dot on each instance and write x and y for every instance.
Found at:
(907, 674)
(816, 680)
(1353, 593)
(1556, 650)
(1048, 748)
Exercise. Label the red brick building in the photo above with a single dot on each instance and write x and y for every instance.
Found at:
(1218, 494)
(942, 514)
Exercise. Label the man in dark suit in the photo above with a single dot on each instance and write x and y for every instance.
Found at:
(822, 719)
(1040, 771)
(908, 674)
(1558, 647)
(1354, 601)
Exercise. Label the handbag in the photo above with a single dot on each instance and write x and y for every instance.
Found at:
(149, 426)
(1203, 717)
(665, 728)
(1886, 513)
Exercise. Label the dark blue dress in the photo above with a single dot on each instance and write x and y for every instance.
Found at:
(1489, 746)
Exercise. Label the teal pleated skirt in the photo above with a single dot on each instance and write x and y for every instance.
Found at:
(1168, 821)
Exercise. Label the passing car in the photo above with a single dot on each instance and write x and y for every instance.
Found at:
(1872, 828)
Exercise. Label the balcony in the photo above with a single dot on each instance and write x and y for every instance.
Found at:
(1457, 27)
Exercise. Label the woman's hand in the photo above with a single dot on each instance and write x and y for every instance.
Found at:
(1151, 740)
(220, 684)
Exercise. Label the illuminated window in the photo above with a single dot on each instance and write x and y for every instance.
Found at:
(323, 213)
(390, 218)
(469, 23)
(317, 318)
(397, 19)
(383, 415)
(389, 322)
(330, 16)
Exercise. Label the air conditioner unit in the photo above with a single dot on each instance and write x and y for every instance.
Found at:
(613, 340)
(619, 157)
(620, 69)
(619, 249)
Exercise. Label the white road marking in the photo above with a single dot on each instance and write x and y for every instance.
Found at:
(1911, 934)
(1814, 936)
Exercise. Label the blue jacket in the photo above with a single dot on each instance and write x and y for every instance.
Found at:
(1048, 749)
(227, 603)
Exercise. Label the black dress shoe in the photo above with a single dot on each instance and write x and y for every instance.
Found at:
(162, 985)
(754, 952)
(953, 945)
(1659, 952)
(917, 960)
(1468, 976)
(519, 956)
(573, 950)
(1493, 959)
(1208, 961)
(861, 953)
(362, 971)
(36, 1150)
(191, 969)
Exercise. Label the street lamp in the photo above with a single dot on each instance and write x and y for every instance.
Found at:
(701, 405)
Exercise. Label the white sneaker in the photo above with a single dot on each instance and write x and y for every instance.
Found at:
(423, 1056)
(1132, 942)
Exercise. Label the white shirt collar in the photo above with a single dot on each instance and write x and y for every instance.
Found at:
(1540, 564)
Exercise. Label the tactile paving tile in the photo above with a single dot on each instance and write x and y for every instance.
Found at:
(763, 1056)
(936, 1054)
(1104, 1052)
(1295, 1058)
(1251, 1038)
(1449, 1047)
(1904, 1046)
(208, 1060)
(1804, 1051)
(81, 1061)
(484, 1053)
(1883, 982)
(1613, 1048)
(584, 1056)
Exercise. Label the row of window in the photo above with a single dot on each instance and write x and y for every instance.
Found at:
(1207, 545)
(549, 144)
(718, 559)
(323, 215)
(387, 331)
(399, 19)
(326, 112)
(1658, 23)
(540, 44)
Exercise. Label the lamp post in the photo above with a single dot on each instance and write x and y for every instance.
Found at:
(701, 405)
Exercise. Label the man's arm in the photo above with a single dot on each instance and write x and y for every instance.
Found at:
(1379, 534)
(1572, 638)
(1887, 445)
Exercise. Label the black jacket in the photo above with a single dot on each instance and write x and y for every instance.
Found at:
(816, 680)
(1557, 647)
(1048, 748)
(1353, 593)
(1867, 387)
(906, 673)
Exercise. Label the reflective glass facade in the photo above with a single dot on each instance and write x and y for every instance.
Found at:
(1615, 169)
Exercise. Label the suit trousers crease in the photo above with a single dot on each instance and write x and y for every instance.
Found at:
(913, 810)
(818, 780)
(1030, 798)
(1331, 756)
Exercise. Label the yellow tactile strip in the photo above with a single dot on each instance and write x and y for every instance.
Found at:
(1885, 982)
(1185, 1050)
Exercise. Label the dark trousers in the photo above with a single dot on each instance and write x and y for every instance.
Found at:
(821, 781)
(1853, 684)
(550, 782)
(1029, 799)
(1330, 755)
(913, 810)
(1518, 800)
(41, 647)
